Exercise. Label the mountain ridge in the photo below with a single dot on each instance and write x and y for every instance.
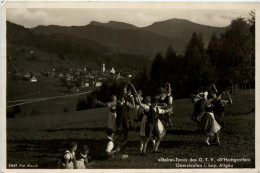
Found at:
(120, 37)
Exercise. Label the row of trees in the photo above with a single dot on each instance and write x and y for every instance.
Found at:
(228, 59)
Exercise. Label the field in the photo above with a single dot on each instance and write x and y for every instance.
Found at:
(39, 140)
(46, 88)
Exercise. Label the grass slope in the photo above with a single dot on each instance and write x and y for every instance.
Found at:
(39, 139)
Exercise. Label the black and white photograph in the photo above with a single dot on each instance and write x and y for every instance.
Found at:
(129, 85)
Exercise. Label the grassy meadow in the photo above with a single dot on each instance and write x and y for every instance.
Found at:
(39, 139)
(47, 87)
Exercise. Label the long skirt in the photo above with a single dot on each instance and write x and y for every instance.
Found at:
(159, 128)
(220, 118)
(112, 121)
(162, 130)
(209, 125)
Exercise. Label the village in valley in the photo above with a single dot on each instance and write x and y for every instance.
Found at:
(74, 79)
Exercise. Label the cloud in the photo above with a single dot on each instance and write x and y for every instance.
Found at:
(29, 17)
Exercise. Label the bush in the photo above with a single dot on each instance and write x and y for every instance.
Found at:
(9, 114)
(86, 103)
(110, 88)
(13, 111)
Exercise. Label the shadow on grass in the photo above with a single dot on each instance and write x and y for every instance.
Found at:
(48, 152)
(103, 129)
(182, 132)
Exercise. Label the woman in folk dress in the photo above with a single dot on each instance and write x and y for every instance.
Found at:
(151, 127)
(112, 114)
(138, 109)
(165, 101)
(208, 125)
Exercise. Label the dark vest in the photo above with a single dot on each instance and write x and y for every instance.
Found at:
(152, 116)
(125, 110)
(165, 100)
(209, 109)
(119, 110)
(218, 108)
(113, 109)
(199, 107)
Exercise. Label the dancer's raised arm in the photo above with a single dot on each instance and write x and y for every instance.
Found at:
(113, 102)
(225, 102)
(102, 103)
(229, 98)
(137, 96)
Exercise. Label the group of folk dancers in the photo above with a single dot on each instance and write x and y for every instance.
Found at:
(209, 112)
(154, 113)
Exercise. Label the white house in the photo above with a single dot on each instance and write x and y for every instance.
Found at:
(98, 84)
(33, 79)
(85, 84)
(113, 71)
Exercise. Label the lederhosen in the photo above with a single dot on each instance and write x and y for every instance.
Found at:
(199, 109)
(119, 116)
(219, 114)
(151, 128)
(125, 119)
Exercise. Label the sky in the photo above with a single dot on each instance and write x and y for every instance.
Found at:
(32, 17)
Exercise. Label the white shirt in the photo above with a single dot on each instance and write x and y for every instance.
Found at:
(147, 108)
(110, 145)
(223, 102)
(170, 100)
(112, 104)
(81, 162)
(69, 155)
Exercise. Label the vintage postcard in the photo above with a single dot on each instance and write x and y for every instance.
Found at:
(129, 86)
